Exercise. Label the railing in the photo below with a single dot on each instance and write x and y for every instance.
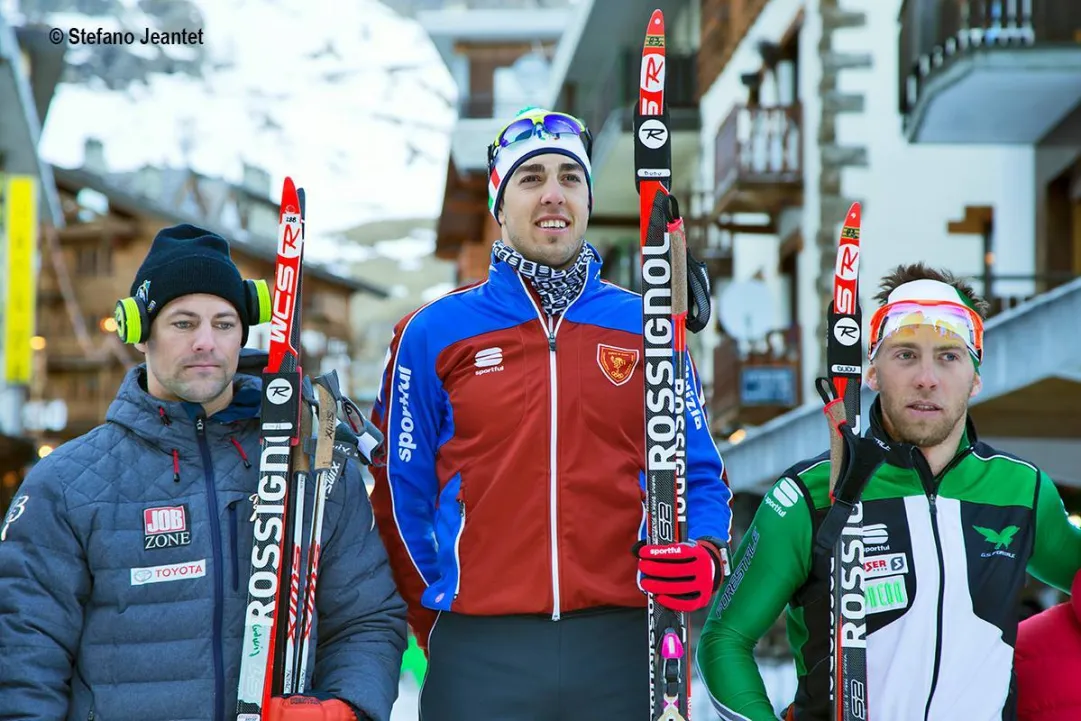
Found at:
(621, 90)
(724, 25)
(758, 145)
(935, 31)
(1000, 302)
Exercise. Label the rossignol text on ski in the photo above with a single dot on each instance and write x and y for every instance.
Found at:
(664, 308)
(280, 432)
(841, 535)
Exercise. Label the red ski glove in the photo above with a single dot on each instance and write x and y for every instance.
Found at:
(310, 708)
(682, 576)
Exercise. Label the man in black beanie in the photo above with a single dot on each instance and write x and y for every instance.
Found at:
(124, 560)
(190, 282)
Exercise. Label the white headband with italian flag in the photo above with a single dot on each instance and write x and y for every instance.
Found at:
(508, 159)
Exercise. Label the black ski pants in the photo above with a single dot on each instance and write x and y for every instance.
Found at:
(591, 665)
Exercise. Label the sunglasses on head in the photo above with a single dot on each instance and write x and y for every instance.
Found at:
(551, 123)
(944, 315)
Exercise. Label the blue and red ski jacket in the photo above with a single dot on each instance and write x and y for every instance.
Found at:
(513, 481)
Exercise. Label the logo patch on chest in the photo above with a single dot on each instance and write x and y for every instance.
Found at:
(616, 363)
(888, 564)
(999, 541)
(489, 360)
(171, 572)
(885, 594)
(166, 527)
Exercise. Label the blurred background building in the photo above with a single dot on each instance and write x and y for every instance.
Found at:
(956, 123)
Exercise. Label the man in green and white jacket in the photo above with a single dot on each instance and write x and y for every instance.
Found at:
(950, 527)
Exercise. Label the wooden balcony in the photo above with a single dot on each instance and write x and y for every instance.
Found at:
(724, 25)
(757, 387)
(758, 160)
(960, 59)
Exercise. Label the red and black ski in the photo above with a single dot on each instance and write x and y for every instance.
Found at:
(664, 315)
(841, 392)
(281, 436)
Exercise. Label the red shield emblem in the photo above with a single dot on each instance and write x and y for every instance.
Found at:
(617, 363)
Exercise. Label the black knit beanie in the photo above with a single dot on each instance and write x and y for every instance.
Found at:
(184, 260)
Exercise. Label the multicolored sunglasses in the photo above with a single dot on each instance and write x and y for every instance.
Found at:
(946, 316)
(550, 122)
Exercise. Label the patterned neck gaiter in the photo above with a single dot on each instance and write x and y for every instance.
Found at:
(556, 288)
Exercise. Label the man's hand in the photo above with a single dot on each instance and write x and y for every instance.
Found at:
(310, 708)
(682, 576)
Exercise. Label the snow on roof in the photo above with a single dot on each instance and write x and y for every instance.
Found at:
(348, 98)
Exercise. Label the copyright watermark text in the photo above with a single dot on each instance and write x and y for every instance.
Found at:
(100, 36)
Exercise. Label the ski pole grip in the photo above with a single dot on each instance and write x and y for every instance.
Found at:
(835, 413)
(329, 380)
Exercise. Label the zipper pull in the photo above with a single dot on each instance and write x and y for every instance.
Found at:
(551, 342)
(934, 508)
(254, 498)
(200, 426)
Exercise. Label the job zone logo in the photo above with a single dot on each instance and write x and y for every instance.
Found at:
(166, 527)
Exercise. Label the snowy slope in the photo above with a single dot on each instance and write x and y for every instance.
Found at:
(349, 98)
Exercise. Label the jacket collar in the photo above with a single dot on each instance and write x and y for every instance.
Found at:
(503, 277)
(903, 455)
(161, 422)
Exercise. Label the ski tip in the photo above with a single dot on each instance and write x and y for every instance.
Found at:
(290, 201)
(656, 23)
(854, 215)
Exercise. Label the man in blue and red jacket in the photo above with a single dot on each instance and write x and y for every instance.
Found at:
(513, 486)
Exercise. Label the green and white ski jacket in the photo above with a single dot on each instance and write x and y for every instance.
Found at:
(945, 559)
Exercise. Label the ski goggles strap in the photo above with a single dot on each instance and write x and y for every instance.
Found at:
(945, 316)
(549, 122)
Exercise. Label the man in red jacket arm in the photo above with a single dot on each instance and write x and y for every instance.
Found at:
(1048, 662)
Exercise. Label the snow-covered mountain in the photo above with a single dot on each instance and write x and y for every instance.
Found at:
(349, 98)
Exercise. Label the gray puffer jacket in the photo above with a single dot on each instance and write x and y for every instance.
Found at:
(124, 565)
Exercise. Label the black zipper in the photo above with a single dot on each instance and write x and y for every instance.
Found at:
(931, 485)
(215, 537)
(233, 543)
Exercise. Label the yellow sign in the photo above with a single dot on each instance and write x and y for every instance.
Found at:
(20, 223)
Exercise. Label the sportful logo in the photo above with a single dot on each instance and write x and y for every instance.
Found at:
(1001, 540)
(784, 495)
(489, 360)
(876, 537)
(406, 442)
